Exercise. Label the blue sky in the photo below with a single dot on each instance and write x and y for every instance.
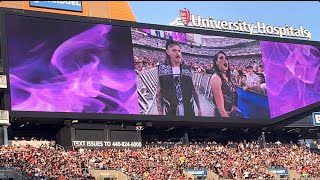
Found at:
(275, 13)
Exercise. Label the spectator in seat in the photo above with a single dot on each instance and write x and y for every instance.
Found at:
(253, 80)
(262, 77)
(210, 69)
(234, 74)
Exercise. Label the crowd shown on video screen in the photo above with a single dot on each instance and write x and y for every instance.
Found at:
(222, 41)
(245, 62)
(141, 38)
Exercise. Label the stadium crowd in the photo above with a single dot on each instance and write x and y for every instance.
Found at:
(150, 57)
(222, 41)
(161, 161)
(144, 39)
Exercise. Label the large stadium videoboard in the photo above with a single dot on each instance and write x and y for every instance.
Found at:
(58, 66)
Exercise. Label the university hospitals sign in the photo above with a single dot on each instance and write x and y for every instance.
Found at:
(189, 19)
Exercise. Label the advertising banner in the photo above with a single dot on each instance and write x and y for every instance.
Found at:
(63, 5)
(107, 144)
(198, 172)
(280, 171)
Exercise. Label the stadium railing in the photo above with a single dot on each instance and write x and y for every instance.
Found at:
(147, 84)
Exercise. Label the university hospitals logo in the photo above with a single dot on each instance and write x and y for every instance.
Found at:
(197, 21)
(185, 16)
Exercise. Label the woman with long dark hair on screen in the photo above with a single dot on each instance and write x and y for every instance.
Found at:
(223, 90)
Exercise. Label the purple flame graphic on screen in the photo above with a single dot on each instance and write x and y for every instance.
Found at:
(292, 75)
(86, 81)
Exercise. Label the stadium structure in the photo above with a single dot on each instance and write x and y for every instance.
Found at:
(80, 99)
